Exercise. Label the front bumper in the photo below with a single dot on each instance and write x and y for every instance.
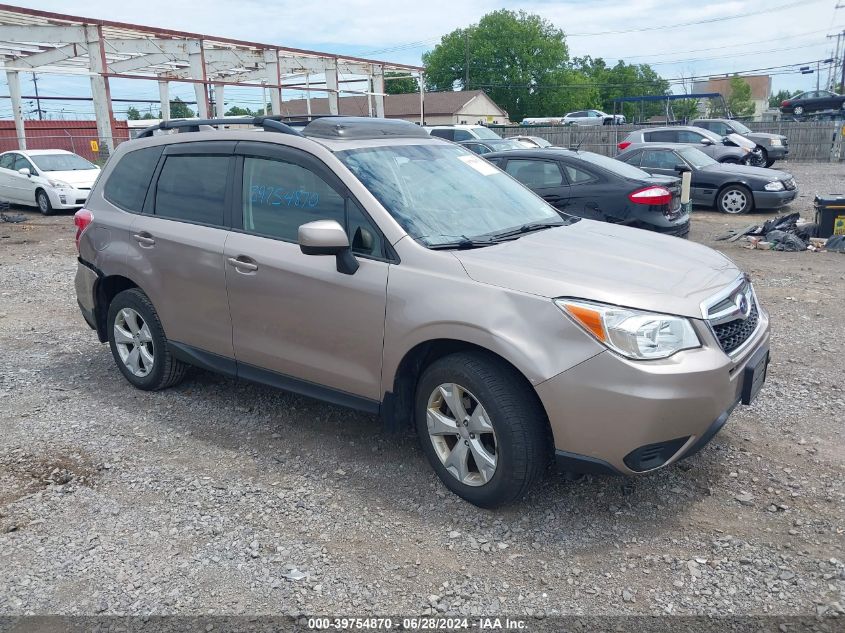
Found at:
(612, 415)
(66, 199)
(777, 153)
(773, 199)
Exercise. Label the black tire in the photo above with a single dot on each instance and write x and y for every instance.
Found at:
(42, 201)
(166, 370)
(770, 162)
(523, 439)
(725, 206)
(761, 159)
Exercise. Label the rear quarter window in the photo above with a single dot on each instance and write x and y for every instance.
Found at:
(129, 181)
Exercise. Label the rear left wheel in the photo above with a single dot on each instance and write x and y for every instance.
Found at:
(138, 343)
(483, 430)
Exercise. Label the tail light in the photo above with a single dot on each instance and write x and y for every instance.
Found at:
(651, 195)
(784, 103)
(82, 219)
(623, 145)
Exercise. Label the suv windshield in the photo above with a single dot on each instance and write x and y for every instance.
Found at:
(739, 128)
(443, 193)
(61, 162)
(483, 132)
(696, 157)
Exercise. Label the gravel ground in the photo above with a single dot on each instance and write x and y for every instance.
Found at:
(222, 497)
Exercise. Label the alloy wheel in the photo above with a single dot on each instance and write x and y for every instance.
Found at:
(134, 342)
(462, 435)
(734, 201)
(43, 203)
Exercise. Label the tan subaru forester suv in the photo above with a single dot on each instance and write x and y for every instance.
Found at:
(365, 263)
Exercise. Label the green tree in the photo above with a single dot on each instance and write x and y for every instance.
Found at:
(739, 97)
(623, 80)
(512, 56)
(178, 109)
(238, 111)
(685, 109)
(404, 85)
(132, 113)
(150, 115)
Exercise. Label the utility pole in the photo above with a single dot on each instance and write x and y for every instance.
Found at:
(842, 82)
(466, 59)
(37, 100)
(832, 70)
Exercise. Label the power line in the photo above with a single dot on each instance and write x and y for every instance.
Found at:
(668, 27)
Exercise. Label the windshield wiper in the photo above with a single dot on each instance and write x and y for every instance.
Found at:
(531, 227)
(464, 243)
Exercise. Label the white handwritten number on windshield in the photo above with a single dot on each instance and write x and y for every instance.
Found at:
(279, 196)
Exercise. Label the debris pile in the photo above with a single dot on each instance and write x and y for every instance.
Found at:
(785, 233)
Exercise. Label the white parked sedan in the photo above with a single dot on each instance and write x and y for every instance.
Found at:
(593, 117)
(50, 179)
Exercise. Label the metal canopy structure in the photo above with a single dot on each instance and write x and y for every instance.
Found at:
(45, 42)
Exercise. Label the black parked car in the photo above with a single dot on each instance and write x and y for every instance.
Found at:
(592, 186)
(771, 147)
(814, 101)
(731, 188)
(492, 145)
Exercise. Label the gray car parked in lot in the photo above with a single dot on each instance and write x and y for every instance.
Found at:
(733, 149)
(730, 188)
(772, 147)
(366, 263)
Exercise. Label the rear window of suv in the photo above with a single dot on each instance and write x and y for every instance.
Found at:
(193, 189)
(129, 180)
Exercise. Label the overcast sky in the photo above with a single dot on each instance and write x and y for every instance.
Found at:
(639, 31)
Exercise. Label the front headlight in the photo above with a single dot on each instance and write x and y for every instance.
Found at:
(776, 142)
(632, 333)
(775, 185)
(58, 184)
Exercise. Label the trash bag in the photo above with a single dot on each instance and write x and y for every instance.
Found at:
(13, 218)
(783, 241)
(806, 231)
(835, 243)
(781, 223)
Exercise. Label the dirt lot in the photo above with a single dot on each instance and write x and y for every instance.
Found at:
(211, 497)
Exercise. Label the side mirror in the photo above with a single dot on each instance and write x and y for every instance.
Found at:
(24, 171)
(681, 168)
(706, 141)
(327, 237)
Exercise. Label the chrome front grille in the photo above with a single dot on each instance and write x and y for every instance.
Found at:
(733, 316)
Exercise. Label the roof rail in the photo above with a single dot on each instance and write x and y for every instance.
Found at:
(269, 123)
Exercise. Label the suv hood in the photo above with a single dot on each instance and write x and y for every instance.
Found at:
(761, 135)
(605, 262)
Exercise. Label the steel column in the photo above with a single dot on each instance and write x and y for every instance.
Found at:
(14, 81)
(378, 89)
(100, 87)
(271, 68)
(164, 98)
(331, 86)
(219, 106)
(197, 63)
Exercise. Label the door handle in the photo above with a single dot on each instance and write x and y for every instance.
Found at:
(144, 239)
(242, 263)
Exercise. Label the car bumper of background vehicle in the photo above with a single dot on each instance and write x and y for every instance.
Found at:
(85, 284)
(612, 415)
(66, 199)
(773, 199)
(777, 153)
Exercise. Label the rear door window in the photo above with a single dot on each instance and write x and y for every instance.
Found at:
(632, 159)
(7, 161)
(688, 136)
(129, 181)
(661, 136)
(577, 175)
(448, 134)
(659, 159)
(536, 174)
(192, 188)
(462, 135)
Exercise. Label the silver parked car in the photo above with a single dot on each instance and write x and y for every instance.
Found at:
(593, 117)
(368, 264)
(724, 149)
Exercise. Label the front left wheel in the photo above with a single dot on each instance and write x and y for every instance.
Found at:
(735, 200)
(42, 201)
(482, 428)
(138, 343)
